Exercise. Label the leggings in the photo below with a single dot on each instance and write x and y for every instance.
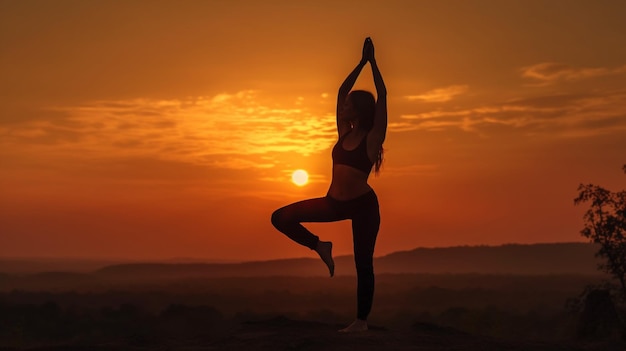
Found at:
(365, 216)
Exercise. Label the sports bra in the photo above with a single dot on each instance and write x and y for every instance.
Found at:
(356, 158)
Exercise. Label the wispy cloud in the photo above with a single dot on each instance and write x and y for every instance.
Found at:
(440, 94)
(549, 72)
(235, 131)
(565, 115)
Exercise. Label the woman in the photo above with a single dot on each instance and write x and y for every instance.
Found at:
(361, 125)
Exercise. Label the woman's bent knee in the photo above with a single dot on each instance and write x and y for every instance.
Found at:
(281, 219)
(277, 218)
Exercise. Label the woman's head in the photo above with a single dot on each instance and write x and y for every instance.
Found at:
(362, 107)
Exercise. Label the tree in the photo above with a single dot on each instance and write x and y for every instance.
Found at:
(605, 224)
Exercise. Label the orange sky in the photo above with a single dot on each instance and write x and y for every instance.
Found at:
(158, 129)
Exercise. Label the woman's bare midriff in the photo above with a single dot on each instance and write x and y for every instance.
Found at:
(348, 183)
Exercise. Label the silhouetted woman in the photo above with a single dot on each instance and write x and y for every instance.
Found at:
(361, 125)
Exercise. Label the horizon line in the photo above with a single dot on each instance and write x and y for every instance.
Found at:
(234, 260)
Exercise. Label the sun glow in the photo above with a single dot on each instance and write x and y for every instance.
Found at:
(300, 177)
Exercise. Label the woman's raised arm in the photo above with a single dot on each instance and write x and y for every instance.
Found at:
(379, 130)
(343, 126)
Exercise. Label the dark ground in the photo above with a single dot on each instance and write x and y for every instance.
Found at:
(282, 333)
(285, 334)
(82, 311)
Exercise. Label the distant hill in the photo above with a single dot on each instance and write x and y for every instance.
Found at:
(37, 265)
(557, 258)
(77, 265)
(534, 259)
(513, 259)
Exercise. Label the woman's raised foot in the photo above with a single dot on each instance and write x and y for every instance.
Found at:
(325, 250)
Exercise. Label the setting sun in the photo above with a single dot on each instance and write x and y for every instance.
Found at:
(300, 177)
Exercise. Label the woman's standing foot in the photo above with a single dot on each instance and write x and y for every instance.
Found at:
(358, 325)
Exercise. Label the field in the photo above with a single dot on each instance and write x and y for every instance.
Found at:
(440, 310)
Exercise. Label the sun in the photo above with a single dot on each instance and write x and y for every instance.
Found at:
(300, 177)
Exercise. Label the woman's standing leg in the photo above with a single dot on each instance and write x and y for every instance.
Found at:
(365, 225)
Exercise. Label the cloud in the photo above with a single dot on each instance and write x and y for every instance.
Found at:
(562, 115)
(548, 72)
(440, 94)
(234, 131)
